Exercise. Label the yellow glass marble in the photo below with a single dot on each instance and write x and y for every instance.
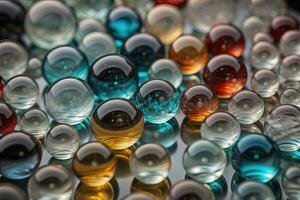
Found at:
(104, 192)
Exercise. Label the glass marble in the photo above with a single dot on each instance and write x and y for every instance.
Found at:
(62, 141)
(204, 161)
(265, 83)
(69, 100)
(253, 25)
(190, 131)
(11, 191)
(35, 122)
(123, 157)
(290, 182)
(225, 75)
(150, 163)
(50, 182)
(189, 53)
(34, 68)
(143, 49)
(289, 43)
(20, 155)
(178, 3)
(264, 55)
(246, 106)
(113, 76)
(168, 70)
(158, 100)
(8, 118)
(84, 131)
(198, 102)
(255, 157)
(50, 23)
(219, 187)
(267, 9)
(94, 164)
(65, 61)
(96, 45)
(21, 92)
(142, 6)
(87, 26)
(281, 24)
(137, 196)
(290, 68)
(118, 123)
(13, 58)
(165, 22)
(225, 39)
(290, 96)
(260, 37)
(92, 193)
(189, 81)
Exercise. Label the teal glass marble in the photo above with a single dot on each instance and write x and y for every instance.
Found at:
(113, 76)
(255, 157)
(69, 100)
(290, 96)
(290, 182)
(158, 100)
(11, 191)
(20, 155)
(86, 26)
(219, 188)
(204, 161)
(65, 61)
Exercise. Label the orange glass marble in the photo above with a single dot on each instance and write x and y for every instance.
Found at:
(190, 53)
(198, 102)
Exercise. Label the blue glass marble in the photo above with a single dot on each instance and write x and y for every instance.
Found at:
(219, 188)
(65, 61)
(255, 157)
(158, 100)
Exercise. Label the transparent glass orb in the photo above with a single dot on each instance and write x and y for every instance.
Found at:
(290, 96)
(150, 163)
(86, 26)
(13, 59)
(21, 92)
(168, 70)
(35, 122)
(221, 128)
(34, 68)
(69, 100)
(264, 55)
(62, 141)
(290, 68)
(253, 25)
(290, 182)
(262, 37)
(265, 83)
(246, 106)
(204, 161)
(204, 14)
(50, 182)
(267, 9)
(289, 43)
(289, 84)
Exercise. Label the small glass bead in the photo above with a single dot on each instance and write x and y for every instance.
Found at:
(189, 53)
(150, 163)
(50, 182)
(94, 164)
(21, 92)
(290, 43)
(290, 182)
(69, 101)
(255, 157)
(118, 123)
(104, 192)
(265, 83)
(267, 9)
(262, 37)
(65, 61)
(34, 68)
(35, 122)
(264, 55)
(137, 196)
(290, 68)
(158, 100)
(8, 118)
(281, 24)
(246, 106)
(290, 96)
(11, 191)
(50, 24)
(165, 22)
(198, 102)
(253, 25)
(204, 161)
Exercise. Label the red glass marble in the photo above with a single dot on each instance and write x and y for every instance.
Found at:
(282, 24)
(225, 38)
(1, 86)
(178, 3)
(225, 75)
(8, 118)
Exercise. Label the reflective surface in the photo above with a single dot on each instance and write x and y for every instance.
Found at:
(8, 118)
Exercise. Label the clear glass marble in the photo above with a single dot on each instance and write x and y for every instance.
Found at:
(246, 106)
(290, 96)
(289, 43)
(262, 37)
(253, 25)
(21, 92)
(290, 182)
(267, 9)
(62, 141)
(221, 128)
(86, 26)
(35, 122)
(290, 68)
(265, 83)
(69, 100)
(150, 163)
(204, 161)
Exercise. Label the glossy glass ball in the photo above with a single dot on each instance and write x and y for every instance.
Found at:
(290, 182)
(69, 100)
(87, 26)
(290, 68)
(281, 24)
(253, 25)
(50, 24)
(8, 118)
(265, 83)
(20, 155)
(65, 61)
(262, 37)
(84, 191)
(267, 9)
(290, 96)
(113, 76)
(11, 191)
(289, 43)
(255, 157)
(50, 182)
(158, 100)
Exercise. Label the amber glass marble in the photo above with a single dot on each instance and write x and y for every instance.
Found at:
(225, 75)
(198, 102)
(8, 118)
(281, 24)
(85, 192)
(225, 38)
(94, 164)
(190, 53)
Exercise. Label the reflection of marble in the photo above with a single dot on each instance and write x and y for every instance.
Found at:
(188, 82)
(270, 103)
(123, 157)
(66, 163)
(190, 131)
(256, 127)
